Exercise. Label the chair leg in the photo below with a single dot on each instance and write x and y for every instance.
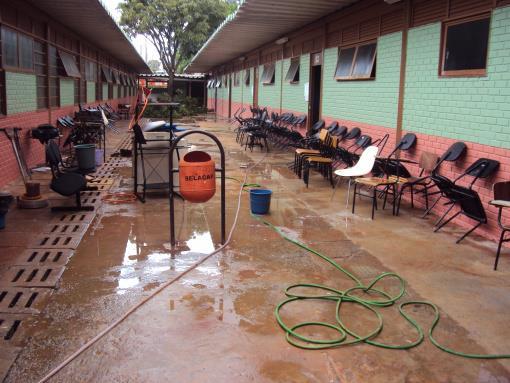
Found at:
(446, 222)
(354, 197)
(374, 202)
(438, 222)
(501, 240)
(427, 212)
(468, 232)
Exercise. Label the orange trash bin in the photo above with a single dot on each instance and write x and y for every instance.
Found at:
(197, 177)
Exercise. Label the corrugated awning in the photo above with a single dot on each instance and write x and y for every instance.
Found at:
(89, 19)
(257, 22)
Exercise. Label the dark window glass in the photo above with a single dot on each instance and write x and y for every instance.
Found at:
(110, 90)
(247, 77)
(364, 61)
(344, 64)
(106, 74)
(69, 64)
(26, 52)
(53, 80)
(293, 72)
(10, 47)
(466, 45)
(268, 74)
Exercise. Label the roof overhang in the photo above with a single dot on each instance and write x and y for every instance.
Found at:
(257, 22)
(90, 20)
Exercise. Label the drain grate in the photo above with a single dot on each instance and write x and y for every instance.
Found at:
(91, 193)
(22, 300)
(33, 276)
(66, 228)
(11, 329)
(56, 241)
(76, 218)
(44, 257)
(103, 187)
(91, 201)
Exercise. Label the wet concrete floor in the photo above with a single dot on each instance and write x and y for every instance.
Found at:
(216, 324)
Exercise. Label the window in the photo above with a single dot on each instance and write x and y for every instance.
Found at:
(356, 63)
(106, 74)
(90, 71)
(236, 79)
(53, 79)
(17, 50)
(69, 64)
(465, 47)
(293, 72)
(40, 72)
(247, 77)
(218, 83)
(268, 74)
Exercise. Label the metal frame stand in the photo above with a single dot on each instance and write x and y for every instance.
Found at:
(222, 176)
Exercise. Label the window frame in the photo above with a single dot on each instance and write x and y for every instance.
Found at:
(444, 34)
(351, 77)
(237, 81)
(18, 67)
(269, 69)
(293, 80)
(247, 77)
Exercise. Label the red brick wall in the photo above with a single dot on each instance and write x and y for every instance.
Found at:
(33, 151)
(439, 145)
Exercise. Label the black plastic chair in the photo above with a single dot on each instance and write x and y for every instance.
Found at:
(501, 201)
(470, 206)
(66, 184)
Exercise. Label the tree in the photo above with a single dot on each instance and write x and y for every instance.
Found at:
(177, 28)
(154, 65)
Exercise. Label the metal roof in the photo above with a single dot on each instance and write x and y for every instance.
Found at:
(89, 19)
(257, 22)
(191, 76)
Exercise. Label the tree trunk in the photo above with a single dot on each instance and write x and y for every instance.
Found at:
(170, 86)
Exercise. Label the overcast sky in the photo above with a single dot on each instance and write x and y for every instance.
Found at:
(142, 45)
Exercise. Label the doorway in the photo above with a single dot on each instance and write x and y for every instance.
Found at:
(315, 91)
(255, 87)
(229, 95)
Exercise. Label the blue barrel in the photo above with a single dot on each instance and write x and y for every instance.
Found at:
(260, 200)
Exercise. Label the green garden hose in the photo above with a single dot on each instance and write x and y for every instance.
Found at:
(325, 293)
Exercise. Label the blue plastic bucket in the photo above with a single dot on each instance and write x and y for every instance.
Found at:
(260, 200)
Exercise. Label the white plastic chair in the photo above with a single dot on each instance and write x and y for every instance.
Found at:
(363, 167)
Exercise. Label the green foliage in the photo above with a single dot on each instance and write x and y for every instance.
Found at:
(177, 28)
(188, 107)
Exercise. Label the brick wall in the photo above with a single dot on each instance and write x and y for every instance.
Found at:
(105, 91)
(32, 149)
(91, 91)
(66, 92)
(372, 101)
(293, 96)
(473, 109)
(21, 92)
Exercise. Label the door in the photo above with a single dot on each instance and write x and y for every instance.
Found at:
(255, 87)
(315, 91)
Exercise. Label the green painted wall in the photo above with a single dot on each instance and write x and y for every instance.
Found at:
(247, 89)
(237, 91)
(66, 92)
(21, 92)
(475, 109)
(91, 91)
(294, 94)
(369, 101)
(269, 95)
(105, 91)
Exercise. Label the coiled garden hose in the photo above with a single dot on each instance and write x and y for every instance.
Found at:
(329, 294)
